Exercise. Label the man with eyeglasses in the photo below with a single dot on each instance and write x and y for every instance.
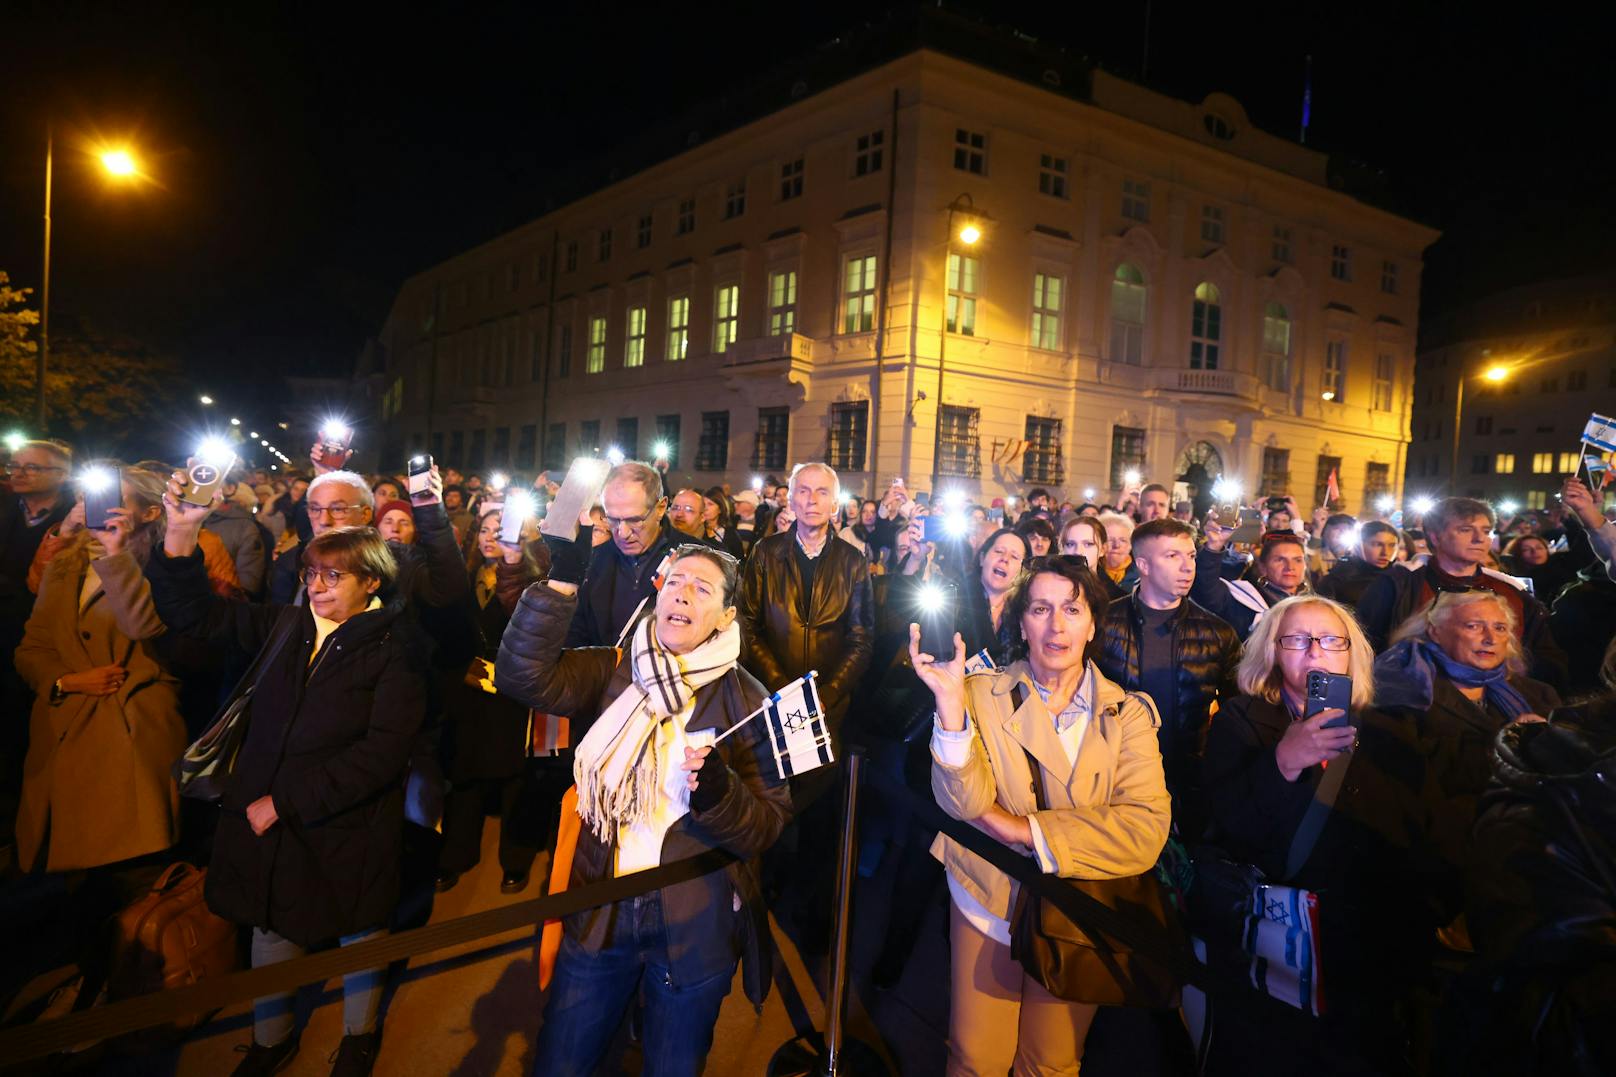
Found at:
(334, 499)
(1282, 572)
(622, 572)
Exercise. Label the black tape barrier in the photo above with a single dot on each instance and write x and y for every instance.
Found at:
(1094, 917)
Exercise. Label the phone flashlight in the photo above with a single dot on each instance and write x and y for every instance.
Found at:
(94, 480)
(956, 524)
(336, 433)
(1422, 505)
(1130, 478)
(1384, 504)
(215, 451)
(499, 480)
(931, 598)
(1088, 493)
(614, 455)
(757, 482)
(519, 508)
(660, 450)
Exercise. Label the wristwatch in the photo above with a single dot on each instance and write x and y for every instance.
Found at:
(56, 693)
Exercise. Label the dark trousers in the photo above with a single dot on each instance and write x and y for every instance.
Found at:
(592, 990)
(464, 809)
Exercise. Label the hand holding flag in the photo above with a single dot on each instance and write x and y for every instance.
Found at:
(795, 719)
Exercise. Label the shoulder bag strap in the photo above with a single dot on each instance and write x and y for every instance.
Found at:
(1318, 813)
(1018, 696)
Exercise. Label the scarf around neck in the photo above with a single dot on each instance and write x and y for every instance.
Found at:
(618, 778)
(1405, 676)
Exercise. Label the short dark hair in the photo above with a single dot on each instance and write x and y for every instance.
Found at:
(1035, 493)
(1036, 525)
(1375, 527)
(1274, 539)
(1084, 583)
(1338, 519)
(725, 561)
(1166, 527)
(359, 550)
(1156, 487)
(987, 544)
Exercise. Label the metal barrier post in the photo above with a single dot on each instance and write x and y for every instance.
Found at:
(841, 1056)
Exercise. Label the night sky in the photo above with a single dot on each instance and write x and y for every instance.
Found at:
(306, 163)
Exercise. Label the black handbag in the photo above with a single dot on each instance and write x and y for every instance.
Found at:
(204, 771)
(1102, 968)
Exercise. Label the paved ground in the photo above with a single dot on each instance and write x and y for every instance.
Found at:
(473, 1012)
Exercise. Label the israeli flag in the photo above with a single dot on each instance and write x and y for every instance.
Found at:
(797, 731)
(980, 662)
(1600, 432)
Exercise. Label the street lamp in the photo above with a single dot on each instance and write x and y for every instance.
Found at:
(969, 235)
(1496, 374)
(119, 164)
(206, 400)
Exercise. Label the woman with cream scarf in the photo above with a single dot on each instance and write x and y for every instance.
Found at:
(653, 787)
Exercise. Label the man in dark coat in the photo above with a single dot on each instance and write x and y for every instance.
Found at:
(1351, 576)
(1583, 621)
(1158, 641)
(1282, 567)
(1459, 531)
(622, 572)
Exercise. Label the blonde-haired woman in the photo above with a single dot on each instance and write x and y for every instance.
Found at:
(1359, 844)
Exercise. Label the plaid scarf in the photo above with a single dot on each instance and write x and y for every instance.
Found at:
(617, 778)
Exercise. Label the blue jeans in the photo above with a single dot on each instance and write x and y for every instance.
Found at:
(591, 992)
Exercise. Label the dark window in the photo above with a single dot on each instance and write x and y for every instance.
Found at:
(769, 452)
(628, 438)
(457, 447)
(867, 153)
(437, 447)
(642, 235)
(502, 447)
(564, 353)
(526, 445)
(712, 451)
(970, 151)
(849, 426)
(1042, 460)
(1577, 379)
(791, 180)
(479, 449)
(1276, 472)
(1321, 479)
(667, 434)
(572, 256)
(555, 446)
(1551, 385)
(1484, 424)
(1127, 453)
(1478, 464)
(589, 436)
(1377, 483)
(959, 448)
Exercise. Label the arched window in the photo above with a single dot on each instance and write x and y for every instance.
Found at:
(1128, 315)
(1276, 347)
(1206, 327)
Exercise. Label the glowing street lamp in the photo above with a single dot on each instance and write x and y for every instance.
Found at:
(1495, 374)
(119, 163)
(206, 400)
(969, 234)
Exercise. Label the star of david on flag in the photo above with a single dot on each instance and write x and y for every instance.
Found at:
(797, 731)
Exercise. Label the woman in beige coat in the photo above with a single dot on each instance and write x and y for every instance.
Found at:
(1108, 813)
(106, 724)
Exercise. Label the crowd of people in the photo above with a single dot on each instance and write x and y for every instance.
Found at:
(1369, 756)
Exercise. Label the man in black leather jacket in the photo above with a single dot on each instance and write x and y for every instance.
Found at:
(1156, 640)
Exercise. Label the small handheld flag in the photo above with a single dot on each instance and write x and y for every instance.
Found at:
(797, 731)
(980, 662)
(1600, 432)
(1332, 489)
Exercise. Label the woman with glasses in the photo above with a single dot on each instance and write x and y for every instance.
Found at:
(308, 846)
(1349, 859)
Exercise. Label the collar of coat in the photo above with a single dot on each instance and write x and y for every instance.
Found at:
(1033, 727)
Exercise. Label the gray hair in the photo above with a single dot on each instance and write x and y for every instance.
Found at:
(56, 449)
(836, 480)
(347, 478)
(1109, 518)
(1449, 605)
(640, 473)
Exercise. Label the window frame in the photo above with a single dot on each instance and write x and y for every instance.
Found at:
(712, 444)
(771, 446)
(1044, 332)
(1133, 333)
(869, 155)
(782, 313)
(860, 303)
(960, 313)
(1054, 176)
(726, 319)
(678, 329)
(791, 178)
(595, 356)
(970, 151)
(957, 452)
(1206, 327)
(847, 444)
(1041, 458)
(1135, 200)
(634, 335)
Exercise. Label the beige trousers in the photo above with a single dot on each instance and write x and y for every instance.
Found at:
(1003, 1021)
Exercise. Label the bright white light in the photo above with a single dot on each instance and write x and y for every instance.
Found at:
(1226, 491)
(931, 598)
(597, 466)
(16, 440)
(1422, 505)
(336, 431)
(956, 524)
(757, 482)
(234, 421)
(953, 499)
(274, 467)
(206, 399)
(1010, 501)
(520, 505)
(216, 451)
(263, 441)
(93, 480)
(1509, 508)
(660, 450)
(253, 434)
(1088, 493)
(1130, 478)
(614, 455)
(283, 426)
(499, 480)
(1385, 504)
(1328, 394)
(1352, 539)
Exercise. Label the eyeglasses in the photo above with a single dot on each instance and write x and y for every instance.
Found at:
(331, 576)
(32, 469)
(336, 512)
(636, 522)
(1301, 641)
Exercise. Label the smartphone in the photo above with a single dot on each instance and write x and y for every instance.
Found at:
(203, 478)
(1329, 691)
(335, 439)
(996, 515)
(1228, 514)
(519, 508)
(936, 620)
(934, 528)
(103, 491)
(585, 479)
(420, 474)
(1249, 531)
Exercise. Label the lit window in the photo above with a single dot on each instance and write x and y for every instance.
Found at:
(1569, 463)
(858, 294)
(735, 200)
(1206, 327)
(1388, 277)
(1052, 175)
(1385, 366)
(678, 327)
(1341, 262)
(1537, 499)
(597, 345)
(634, 350)
(643, 233)
(1542, 463)
(782, 302)
(1276, 347)
(970, 151)
(1046, 311)
(1136, 200)
(1212, 224)
(962, 274)
(1127, 315)
(1281, 249)
(867, 153)
(1504, 463)
(1335, 366)
(791, 180)
(726, 315)
(686, 222)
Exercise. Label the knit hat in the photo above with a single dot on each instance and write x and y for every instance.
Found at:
(402, 506)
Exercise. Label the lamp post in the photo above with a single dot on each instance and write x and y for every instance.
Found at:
(119, 164)
(1497, 374)
(970, 234)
